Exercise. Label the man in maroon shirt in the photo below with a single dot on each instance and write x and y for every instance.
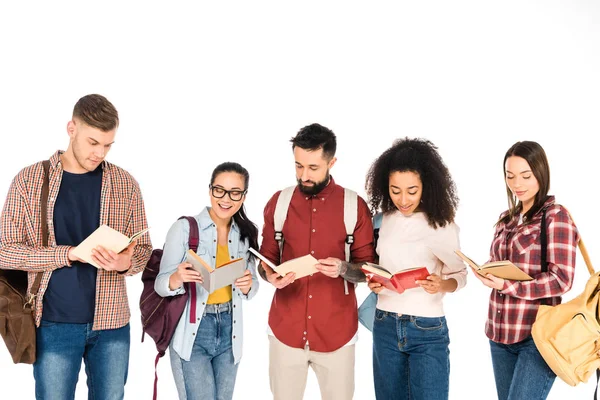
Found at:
(313, 320)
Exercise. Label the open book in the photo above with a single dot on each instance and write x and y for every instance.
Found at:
(398, 282)
(500, 269)
(302, 266)
(216, 278)
(106, 237)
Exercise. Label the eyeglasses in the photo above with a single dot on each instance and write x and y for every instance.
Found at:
(218, 193)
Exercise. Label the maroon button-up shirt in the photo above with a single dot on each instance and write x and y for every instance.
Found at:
(315, 308)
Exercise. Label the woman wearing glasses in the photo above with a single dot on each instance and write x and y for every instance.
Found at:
(205, 352)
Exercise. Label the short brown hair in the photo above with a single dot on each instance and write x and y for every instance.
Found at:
(96, 111)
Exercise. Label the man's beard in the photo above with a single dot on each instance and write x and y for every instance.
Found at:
(315, 188)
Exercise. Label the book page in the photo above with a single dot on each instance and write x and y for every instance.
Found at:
(137, 235)
(302, 266)
(467, 259)
(376, 269)
(104, 236)
(227, 274)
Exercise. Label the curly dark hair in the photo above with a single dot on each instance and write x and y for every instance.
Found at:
(438, 201)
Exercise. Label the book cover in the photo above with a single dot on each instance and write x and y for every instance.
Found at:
(216, 278)
(398, 282)
(502, 269)
(302, 266)
(106, 237)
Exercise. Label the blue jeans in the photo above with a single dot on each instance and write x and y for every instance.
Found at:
(60, 349)
(520, 371)
(211, 371)
(411, 359)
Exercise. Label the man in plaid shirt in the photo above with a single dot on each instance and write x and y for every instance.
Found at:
(80, 311)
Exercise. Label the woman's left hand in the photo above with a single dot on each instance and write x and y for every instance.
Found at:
(490, 280)
(244, 283)
(432, 284)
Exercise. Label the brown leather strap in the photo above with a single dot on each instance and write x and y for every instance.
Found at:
(44, 220)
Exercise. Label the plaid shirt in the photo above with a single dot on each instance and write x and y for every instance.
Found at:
(121, 207)
(513, 309)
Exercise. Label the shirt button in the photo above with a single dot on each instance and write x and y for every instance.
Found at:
(234, 336)
(314, 210)
(309, 317)
(304, 333)
(310, 274)
(306, 198)
(314, 230)
(310, 296)
(312, 252)
(498, 312)
(193, 334)
(303, 338)
(323, 198)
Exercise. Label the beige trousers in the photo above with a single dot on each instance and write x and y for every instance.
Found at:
(288, 370)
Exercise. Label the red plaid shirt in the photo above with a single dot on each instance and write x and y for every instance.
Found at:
(513, 309)
(121, 207)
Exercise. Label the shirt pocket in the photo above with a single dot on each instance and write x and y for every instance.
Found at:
(528, 240)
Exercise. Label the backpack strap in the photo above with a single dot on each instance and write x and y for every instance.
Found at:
(193, 242)
(281, 210)
(350, 219)
(35, 287)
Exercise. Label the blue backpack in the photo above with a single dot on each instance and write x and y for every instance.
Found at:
(366, 311)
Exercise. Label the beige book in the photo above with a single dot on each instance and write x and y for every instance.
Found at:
(302, 266)
(500, 269)
(106, 237)
(216, 278)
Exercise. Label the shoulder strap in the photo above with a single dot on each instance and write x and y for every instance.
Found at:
(35, 287)
(194, 237)
(377, 219)
(544, 238)
(350, 218)
(281, 210)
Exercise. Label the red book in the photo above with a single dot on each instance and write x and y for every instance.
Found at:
(397, 282)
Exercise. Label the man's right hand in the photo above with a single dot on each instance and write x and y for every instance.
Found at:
(72, 257)
(275, 279)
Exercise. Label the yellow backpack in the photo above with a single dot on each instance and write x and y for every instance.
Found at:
(568, 335)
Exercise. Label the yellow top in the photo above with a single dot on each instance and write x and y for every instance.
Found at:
(222, 295)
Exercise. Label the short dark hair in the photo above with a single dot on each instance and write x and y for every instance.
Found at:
(96, 111)
(314, 137)
(438, 200)
(534, 154)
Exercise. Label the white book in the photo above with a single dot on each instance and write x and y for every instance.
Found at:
(302, 266)
(216, 278)
(106, 237)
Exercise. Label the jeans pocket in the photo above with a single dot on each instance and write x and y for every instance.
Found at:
(428, 324)
(380, 315)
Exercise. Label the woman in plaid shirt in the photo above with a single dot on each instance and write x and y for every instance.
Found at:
(519, 369)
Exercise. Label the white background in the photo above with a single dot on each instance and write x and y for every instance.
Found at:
(198, 85)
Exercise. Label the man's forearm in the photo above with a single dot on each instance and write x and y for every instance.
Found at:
(352, 272)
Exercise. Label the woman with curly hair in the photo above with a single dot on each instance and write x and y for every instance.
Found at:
(413, 188)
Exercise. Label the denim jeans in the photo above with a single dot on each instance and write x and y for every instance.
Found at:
(411, 359)
(520, 371)
(60, 349)
(211, 371)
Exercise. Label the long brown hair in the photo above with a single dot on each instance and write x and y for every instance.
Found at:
(535, 156)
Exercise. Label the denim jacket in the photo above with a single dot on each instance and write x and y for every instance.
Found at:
(174, 253)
